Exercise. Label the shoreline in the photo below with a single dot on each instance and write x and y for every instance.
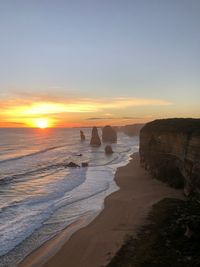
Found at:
(124, 212)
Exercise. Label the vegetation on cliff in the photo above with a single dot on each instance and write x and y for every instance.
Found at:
(173, 125)
(170, 151)
(166, 240)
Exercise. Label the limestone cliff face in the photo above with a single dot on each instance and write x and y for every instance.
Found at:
(170, 150)
(132, 129)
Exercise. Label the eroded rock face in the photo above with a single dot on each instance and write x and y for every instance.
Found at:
(95, 140)
(170, 150)
(109, 134)
(82, 135)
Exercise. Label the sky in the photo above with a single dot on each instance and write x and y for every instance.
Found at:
(90, 62)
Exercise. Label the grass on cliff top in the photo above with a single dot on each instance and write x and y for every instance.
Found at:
(162, 243)
(183, 125)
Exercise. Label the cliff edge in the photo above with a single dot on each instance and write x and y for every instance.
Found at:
(131, 129)
(170, 150)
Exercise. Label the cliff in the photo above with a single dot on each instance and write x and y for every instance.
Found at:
(132, 129)
(170, 150)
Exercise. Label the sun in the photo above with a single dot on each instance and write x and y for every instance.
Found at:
(42, 123)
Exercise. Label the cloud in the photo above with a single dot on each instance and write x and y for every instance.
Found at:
(66, 100)
(94, 119)
(112, 118)
(130, 118)
(31, 106)
(25, 110)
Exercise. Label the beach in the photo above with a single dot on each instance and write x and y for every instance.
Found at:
(124, 212)
(99, 133)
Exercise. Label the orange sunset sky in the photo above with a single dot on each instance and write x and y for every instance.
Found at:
(78, 112)
(85, 63)
(86, 111)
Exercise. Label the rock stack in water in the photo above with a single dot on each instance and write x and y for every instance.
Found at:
(109, 134)
(95, 140)
(82, 136)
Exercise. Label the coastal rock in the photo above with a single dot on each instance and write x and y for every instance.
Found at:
(109, 134)
(82, 135)
(108, 150)
(170, 150)
(95, 140)
(72, 165)
(84, 164)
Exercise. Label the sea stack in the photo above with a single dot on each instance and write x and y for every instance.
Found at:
(109, 134)
(95, 140)
(82, 135)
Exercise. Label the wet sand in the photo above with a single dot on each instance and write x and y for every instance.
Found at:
(125, 211)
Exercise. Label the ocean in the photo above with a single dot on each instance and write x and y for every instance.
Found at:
(39, 196)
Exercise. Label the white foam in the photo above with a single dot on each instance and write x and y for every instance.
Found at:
(53, 197)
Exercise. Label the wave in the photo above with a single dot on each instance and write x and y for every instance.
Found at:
(38, 210)
(16, 177)
(31, 154)
(39, 189)
(57, 190)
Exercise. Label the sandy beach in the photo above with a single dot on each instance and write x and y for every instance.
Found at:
(124, 212)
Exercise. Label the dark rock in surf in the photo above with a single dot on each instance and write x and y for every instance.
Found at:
(108, 150)
(72, 165)
(84, 164)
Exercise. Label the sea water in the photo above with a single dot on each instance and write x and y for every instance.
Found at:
(39, 196)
